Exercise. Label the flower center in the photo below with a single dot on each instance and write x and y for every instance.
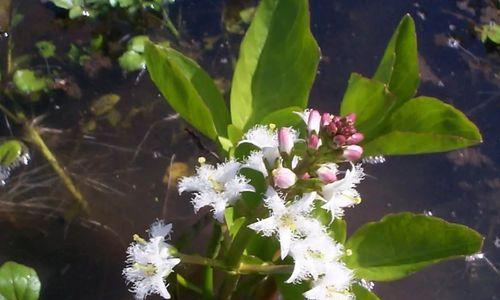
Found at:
(147, 269)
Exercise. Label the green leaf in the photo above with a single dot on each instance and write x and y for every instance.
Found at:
(137, 43)
(18, 282)
(362, 293)
(338, 228)
(370, 100)
(424, 125)
(47, 49)
(76, 12)
(234, 133)
(66, 4)
(290, 291)
(10, 151)
(401, 244)
(132, 61)
(399, 65)
(188, 89)
(277, 62)
(490, 32)
(284, 117)
(27, 82)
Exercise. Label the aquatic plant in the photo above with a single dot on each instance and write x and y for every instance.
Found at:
(288, 173)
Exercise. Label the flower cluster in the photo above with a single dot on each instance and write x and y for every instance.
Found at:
(305, 176)
(150, 262)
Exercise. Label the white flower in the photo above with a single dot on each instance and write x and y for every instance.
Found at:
(150, 262)
(334, 285)
(342, 193)
(288, 222)
(256, 161)
(265, 138)
(304, 115)
(217, 187)
(313, 255)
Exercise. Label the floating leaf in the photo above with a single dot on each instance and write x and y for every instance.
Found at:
(27, 82)
(188, 89)
(401, 244)
(277, 62)
(370, 100)
(399, 65)
(424, 125)
(104, 104)
(46, 49)
(18, 282)
(132, 61)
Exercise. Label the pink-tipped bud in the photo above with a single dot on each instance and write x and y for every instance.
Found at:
(285, 139)
(351, 117)
(353, 152)
(326, 118)
(355, 138)
(313, 142)
(339, 140)
(314, 121)
(284, 177)
(327, 173)
(305, 176)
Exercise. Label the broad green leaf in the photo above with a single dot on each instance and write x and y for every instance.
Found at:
(27, 82)
(137, 43)
(76, 12)
(399, 65)
(188, 89)
(401, 244)
(370, 100)
(285, 117)
(18, 282)
(10, 151)
(225, 143)
(362, 293)
(338, 228)
(132, 61)
(277, 62)
(46, 49)
(234, 133)
(424, 125)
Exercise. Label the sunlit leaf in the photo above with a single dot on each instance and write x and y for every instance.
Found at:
(27, 82)
(399, 65)
(188, 89)
(401, 244)
(18, 282)
(277, 62)
(370, 100)
(10, 151)
(132, 61)
(285, 117)
(490, 32)
(137, 43)
(424, 125)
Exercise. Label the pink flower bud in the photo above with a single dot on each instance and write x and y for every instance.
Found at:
(355, 138)
(326, 118)
(284, 177)
(314, 142)
(327, 173)
(339, 140)
(314, 121)
(285, 139)
(351, 117)
(305, 176)
(353, 152)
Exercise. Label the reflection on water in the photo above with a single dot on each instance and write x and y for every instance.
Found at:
(121, 170)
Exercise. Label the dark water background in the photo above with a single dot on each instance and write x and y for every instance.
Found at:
(124, 182)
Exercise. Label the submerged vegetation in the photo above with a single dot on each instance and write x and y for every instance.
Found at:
(278, 178)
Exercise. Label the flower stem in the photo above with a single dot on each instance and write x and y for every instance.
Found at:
(34, 137)
(208, 272)
(188, 285)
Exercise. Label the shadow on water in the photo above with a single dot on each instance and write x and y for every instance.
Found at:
(121, 169)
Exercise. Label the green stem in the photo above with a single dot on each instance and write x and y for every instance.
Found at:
(10, 114)
(188, 285)
(34, 137)
(171, 26)
(233, 259)
(200, 260)
(264, 269)
(208, 272)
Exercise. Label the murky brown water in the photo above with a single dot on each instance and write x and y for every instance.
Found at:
(120, 170)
